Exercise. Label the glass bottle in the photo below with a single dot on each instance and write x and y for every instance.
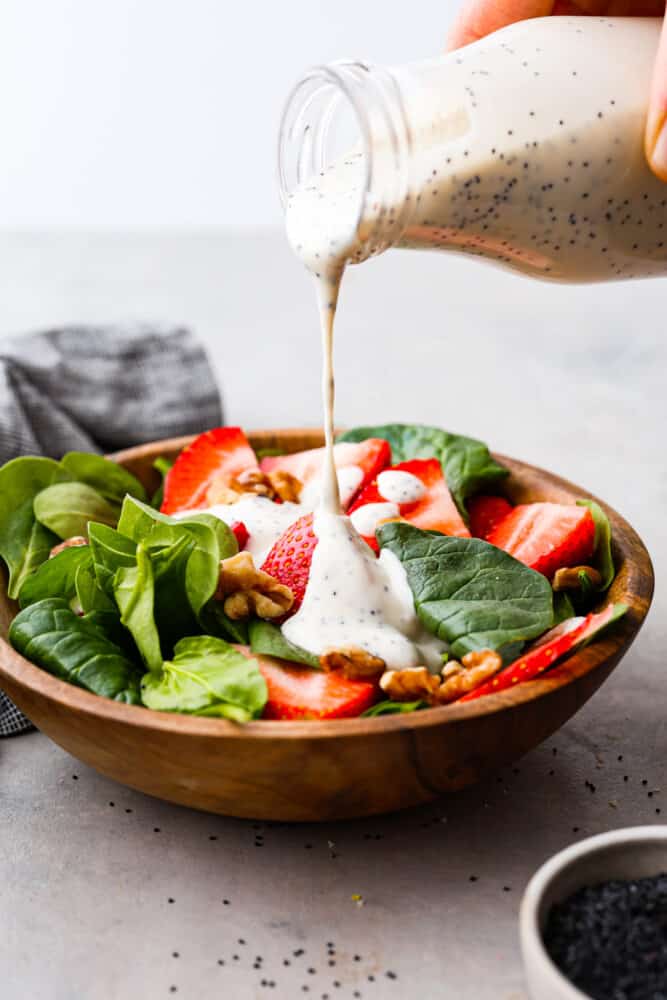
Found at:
(525, 148)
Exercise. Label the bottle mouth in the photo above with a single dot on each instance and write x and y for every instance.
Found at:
(342, 108)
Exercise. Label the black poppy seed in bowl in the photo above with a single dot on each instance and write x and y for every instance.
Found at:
(610, 939)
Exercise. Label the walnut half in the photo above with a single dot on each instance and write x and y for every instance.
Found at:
(457, 679)
(353, 662)
(279, 484)
(411, 684)
(460, 678)
(246, 590)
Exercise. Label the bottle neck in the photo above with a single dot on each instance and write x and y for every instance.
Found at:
(351, 106)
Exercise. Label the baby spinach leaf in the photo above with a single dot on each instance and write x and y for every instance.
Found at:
(393, 708)
(214, 621)
(74, 649)
(133, 589)
(161, 465)
(467, 592)
(563, 607)
(89, 594)
(268, 639)
(56, 577)
(24, 542)
(207, 676)
(466, 462)
(174, 614)
(67, 508)
(110, 550)
(111, 480)
(602, 558)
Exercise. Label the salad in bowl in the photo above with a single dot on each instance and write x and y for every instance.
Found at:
(226, 594)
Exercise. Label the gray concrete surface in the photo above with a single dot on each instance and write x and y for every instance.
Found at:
(108, 895)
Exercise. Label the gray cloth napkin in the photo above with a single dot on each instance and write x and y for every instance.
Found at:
(99, 388)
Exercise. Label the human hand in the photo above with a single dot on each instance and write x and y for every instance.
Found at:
(480, 17)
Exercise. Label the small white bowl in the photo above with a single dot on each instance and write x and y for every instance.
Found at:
(635, 852)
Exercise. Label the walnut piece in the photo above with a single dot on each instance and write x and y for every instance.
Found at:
(460, 678)
(416, 683)
(279, 484)
(411, 684)
(353, 662)
(76, 541)
(285, 485)
(246, 590)
(568, 578)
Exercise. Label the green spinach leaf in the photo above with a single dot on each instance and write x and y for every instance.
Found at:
(110, 551)
(111, 480)
(207, 676)
(393, 708)
(74, 649)
(563, 607)
(267, 639)
(603, 561)
(67, 508)
(133, 589)
(161, 465)
(467, 592)
(24, 542)
(214, 621)
(466, 462)
(89, 594)
(56, 577)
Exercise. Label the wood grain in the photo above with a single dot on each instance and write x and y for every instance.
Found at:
(328, 770)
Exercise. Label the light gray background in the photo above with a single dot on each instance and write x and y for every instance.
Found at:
(165, 112)
(571, 378)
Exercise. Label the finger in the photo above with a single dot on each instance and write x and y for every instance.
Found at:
(480, 17)
(656, 123)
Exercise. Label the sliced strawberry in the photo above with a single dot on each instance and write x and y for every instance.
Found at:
(241, 533)
(302, 693)
(433, 511)
(219, 456)
(546, 536)
(484, 513)
(370, 457)
(290, 558)
(548, 649)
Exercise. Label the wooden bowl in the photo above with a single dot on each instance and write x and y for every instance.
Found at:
(338, 769)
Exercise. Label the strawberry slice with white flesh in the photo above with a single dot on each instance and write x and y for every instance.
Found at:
(356, 465)
(415, 491)
(214, 458)
(548, 649)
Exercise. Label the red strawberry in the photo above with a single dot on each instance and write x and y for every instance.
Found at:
(370, 456)
(290, 558)
(485, 513)
(547, 650)
(546, 536)
(241, 533)
(434, 511)
(302, 693)
(218, 455)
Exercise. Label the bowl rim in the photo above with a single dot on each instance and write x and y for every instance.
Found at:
(533, 951)
(18, 669)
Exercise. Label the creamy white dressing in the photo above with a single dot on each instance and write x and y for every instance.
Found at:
(265, 521)
(356, 599)
(400, 487)
(366, 519)
(349, 479)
